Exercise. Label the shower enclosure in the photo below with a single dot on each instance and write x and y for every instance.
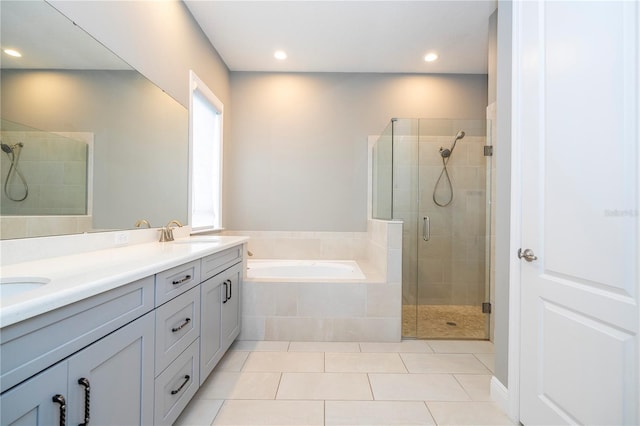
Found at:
(435, 176)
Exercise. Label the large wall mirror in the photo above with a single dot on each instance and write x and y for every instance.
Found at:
(97, 146)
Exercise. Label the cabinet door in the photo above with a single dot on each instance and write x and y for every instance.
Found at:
(31, 403)
(119, 371)
(210, 306)
(230, 319)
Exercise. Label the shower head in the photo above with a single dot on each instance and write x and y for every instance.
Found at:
(445, 153)
(6, 148)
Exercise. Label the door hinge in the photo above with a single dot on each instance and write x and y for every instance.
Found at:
(486, 308)
(488, 150)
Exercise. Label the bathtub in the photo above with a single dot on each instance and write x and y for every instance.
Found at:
(304, 269)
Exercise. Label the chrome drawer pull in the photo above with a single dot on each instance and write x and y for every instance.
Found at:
(181, 280)
(186, 380)
(181, 326)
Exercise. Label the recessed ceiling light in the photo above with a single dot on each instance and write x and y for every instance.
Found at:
(280, 54)
(430, 57)
(12, 52)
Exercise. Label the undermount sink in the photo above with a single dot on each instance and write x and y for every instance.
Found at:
(192, 240)
(10, 286)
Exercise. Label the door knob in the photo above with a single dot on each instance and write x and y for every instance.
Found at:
(527, 254)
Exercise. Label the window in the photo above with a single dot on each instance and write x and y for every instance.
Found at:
(205, 157)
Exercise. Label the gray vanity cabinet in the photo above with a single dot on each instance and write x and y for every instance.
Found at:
(31, 403)
(118, 371)
(110, 382)
(210, 331)
(220, 314)
(134, 355)
(230, 315)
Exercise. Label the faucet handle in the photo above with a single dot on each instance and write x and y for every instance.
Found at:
(166, 234)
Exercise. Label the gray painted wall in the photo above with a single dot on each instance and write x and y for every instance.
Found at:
(298, 157)
(158, 38)
(140, 137)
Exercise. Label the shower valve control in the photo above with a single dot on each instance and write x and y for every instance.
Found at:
(527, 255)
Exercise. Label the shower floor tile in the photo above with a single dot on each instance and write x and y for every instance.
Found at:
(443, 322)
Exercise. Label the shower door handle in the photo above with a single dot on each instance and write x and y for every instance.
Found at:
(426, 228)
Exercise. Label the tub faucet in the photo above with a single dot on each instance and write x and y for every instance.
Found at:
(166, 233)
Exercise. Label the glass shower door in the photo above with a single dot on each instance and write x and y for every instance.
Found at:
(452, 230)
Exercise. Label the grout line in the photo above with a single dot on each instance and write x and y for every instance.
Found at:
(462, 386)
(275, 396)
(218, 412)
(324, 412)
(373, 395)
(244, 362)
(404, 364)
(430, 413)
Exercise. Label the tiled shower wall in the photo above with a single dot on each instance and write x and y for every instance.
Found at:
(452, 263)
(58, 171)
(55, 168)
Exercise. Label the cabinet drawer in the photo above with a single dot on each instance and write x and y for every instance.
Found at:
(175, 281)
(218, 262)
(177, 385)
(177, 326)
(30, 346)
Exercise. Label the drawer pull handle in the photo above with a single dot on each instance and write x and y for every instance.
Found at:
(59, 399)
(181, 280)
(230, 288)
(226, 292)
(181, 326)
(186, 380)
(87, 400)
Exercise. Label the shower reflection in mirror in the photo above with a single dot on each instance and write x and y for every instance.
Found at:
(44, 173)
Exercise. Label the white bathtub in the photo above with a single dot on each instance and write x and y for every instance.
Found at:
(304, 269)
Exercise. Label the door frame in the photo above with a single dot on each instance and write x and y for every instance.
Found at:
(515, 228)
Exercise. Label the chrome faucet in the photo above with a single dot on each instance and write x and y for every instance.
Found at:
(166, 233)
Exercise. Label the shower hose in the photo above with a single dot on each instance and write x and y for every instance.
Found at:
(13, 170)
(447, 181)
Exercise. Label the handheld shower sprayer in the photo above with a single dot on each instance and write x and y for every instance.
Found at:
(13, 152)
(444, 152)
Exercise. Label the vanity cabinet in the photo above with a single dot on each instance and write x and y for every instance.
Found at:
(31, 403)
(109, 382)
(133, 355)
(220, 310)
(230, 315)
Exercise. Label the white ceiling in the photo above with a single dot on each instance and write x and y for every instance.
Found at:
(348, 36)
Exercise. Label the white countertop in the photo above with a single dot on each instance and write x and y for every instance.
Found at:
(79, 276)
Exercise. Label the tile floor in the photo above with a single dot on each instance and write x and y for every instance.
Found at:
(415, 382)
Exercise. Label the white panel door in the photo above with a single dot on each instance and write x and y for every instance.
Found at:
(576, 123)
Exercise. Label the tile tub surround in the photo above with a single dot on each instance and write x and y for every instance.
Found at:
(349, 383)
(345, 310)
